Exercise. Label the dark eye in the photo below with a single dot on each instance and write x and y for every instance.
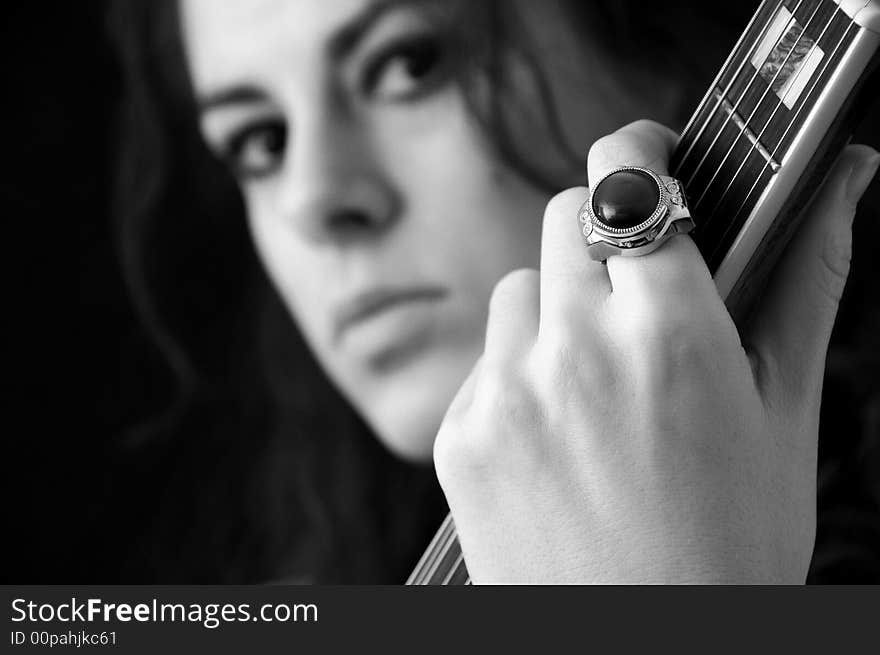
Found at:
(257, 149)
(406, 69)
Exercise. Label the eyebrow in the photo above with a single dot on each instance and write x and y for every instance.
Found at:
(340, 46)
(231, 96)
(343, 42)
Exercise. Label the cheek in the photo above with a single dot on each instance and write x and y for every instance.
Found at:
(288, 264)
(464, 206)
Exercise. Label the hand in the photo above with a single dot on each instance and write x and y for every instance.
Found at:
(617, 429)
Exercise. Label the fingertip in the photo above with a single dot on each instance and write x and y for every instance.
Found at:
(860, 151)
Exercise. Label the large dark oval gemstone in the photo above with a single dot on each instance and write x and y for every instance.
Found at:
(625, 199)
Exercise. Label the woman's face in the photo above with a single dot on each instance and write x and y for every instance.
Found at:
(375, 202)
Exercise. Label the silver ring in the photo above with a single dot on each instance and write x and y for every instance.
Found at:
(632, 211)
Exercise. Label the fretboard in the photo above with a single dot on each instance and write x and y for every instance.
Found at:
(741, 133)
(763, 101)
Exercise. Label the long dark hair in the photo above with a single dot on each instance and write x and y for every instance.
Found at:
(260, 469)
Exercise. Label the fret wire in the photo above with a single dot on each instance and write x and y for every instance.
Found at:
(743, 95)
(775, 110)
(730, 84)
(449, 536)
(791, 124)
(763, 95)
(418, 572)
(429, 562)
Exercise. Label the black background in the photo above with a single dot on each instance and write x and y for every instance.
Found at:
(80, 370)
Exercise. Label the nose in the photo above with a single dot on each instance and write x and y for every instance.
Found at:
(335, 190)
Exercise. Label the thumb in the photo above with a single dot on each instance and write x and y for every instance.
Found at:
(792, 327)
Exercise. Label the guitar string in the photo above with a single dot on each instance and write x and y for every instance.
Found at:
(791, 124)
(450, 536)
(749, 87)
(435, 555)
(440, 550)
(430, 565)
(458, 566)
(418, 573)
(448, 542)
(770, 120)
(733, 79)
(451, 539)
(440, 547)
(430, 561)
(453, 569)
(754, 111)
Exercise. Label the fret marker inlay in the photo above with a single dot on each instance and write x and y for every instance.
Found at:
(784, 34)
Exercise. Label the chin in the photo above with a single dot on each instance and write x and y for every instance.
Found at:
(409, 442)
(409, 408)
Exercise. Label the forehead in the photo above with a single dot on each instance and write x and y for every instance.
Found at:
(233, 38)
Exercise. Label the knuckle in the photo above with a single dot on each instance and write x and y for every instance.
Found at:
(564, 329)
(565, 199)
(638, 322)
(650, 129)
(643, 142)
(687, 273)
(446, 446)
(665, 344)
(512, 288)
(684, 349)
(448, 452)
(607, 147)
(504, 401)
(472, 444)
(463, 450)
(652, 318)
(559, 369)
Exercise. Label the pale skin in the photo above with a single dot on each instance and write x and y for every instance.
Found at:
(614, 428)
(619, 429)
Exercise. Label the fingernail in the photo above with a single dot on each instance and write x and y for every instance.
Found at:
(860, 177)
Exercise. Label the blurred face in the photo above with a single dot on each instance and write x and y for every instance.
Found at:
(374, 200)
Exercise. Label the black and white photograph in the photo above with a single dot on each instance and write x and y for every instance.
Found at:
(441, 293)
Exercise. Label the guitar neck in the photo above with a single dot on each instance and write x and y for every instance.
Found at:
(751, 157)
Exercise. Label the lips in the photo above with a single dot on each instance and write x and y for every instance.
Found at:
(369, 304)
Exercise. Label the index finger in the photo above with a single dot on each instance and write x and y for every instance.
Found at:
(676, 268)
(642, 143)
(570, 281)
